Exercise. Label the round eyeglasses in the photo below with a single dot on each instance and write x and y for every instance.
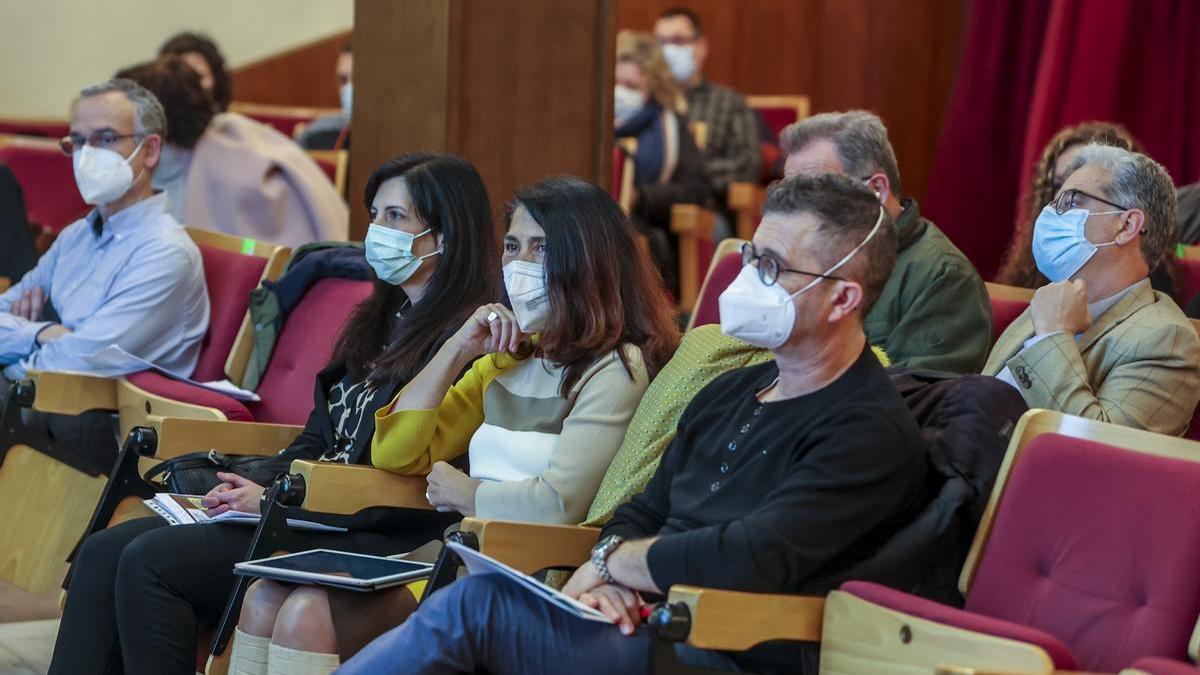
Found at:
(769, 266)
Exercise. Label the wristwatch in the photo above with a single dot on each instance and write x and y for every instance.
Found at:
(600, 553)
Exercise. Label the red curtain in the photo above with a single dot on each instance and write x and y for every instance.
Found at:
(1030, 68)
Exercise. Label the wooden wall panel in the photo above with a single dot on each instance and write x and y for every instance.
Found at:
(303, 76)
(519, 87)
(897, 59)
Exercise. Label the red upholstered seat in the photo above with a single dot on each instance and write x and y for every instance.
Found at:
(54, 129)
(302, 349)
(1098, 546)
(618, 172)
(304, 346)
(1004, 312)
(1193, 431)
(48, 181)
(1157, 665)
(707, 308)
(229, 277)
(950, 616)
(176, 390)
(777, 118)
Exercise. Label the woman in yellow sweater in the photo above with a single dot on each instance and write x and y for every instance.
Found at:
(551, 380)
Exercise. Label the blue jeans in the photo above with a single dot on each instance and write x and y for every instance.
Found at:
(489, 622)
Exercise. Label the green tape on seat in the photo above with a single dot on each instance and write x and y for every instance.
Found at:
(247, 246)
(1180, 250)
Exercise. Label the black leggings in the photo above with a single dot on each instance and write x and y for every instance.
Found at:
(139, 591)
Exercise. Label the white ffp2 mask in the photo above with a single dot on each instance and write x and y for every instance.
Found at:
(101, 175)
(526, 286)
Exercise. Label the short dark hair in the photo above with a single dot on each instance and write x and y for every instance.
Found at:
(689, 14)
(859, 136)
(846, 211)
(604, 291)
(449, 197)
(182, 43)
(189, 109)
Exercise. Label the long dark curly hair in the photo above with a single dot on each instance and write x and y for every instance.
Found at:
(183, 43)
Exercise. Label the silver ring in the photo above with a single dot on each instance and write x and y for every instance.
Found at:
(492, 317)
(427, 497)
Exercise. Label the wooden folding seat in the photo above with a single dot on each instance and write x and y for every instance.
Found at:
(45, 483)
(335, 164)
(288, 120)
(47, 178)
(53, 129)
(746, 199)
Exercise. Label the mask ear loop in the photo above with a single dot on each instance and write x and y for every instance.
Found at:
(846, 258)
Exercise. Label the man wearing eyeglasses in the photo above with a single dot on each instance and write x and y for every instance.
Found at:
(126, 274)
(1097, 341)
(732, 135)
(784, 477)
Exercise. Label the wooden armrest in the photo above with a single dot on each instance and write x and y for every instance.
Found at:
(745, 196)
(181, 435)
(737, 621)
(346, 489)
(746, 199)
(4, 284)
(531, 547)
(72, 393)
(692, 220)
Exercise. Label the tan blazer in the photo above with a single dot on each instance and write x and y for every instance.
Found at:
(249, 180)
(1138, 365)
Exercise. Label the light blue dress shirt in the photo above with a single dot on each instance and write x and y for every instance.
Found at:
(139, 285)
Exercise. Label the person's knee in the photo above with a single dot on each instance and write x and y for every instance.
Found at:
(305, 622)
(261, 605)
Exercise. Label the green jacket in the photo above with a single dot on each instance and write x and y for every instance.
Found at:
(934, 311)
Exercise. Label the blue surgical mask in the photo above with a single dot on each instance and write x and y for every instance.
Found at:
(346, 95)
(1060, 245)
(389, 252)
(681, 59)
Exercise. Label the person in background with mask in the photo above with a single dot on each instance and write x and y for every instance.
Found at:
(934, 312)
(782, 475)
(1097, 341)
(548, 389)
(229, 173)
(425, 210)
(668, 168)
(124, 274)
(332, 132)
(731, 152)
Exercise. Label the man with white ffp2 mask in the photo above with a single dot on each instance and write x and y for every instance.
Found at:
(1097, 341)
(125, 274)
(731, 129)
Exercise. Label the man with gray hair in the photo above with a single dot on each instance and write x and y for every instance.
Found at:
(126, 274)
(1097, 341)
(934, 311)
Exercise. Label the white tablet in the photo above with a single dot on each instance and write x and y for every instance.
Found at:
(339, 569)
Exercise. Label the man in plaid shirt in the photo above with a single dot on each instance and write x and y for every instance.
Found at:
(732, 144)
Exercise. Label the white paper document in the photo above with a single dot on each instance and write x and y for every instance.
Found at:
(115, 358)
(478, 563)
(186, 510)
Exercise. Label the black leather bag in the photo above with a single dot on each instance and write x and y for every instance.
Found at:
(196, 473)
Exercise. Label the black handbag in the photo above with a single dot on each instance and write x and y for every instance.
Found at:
(196, 473)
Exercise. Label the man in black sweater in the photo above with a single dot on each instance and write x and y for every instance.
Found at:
(781, 477)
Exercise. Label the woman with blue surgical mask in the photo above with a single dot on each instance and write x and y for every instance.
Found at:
(186, 572)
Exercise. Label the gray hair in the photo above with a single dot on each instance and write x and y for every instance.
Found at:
(860, 137)
(148, 117)
(1138, 182)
